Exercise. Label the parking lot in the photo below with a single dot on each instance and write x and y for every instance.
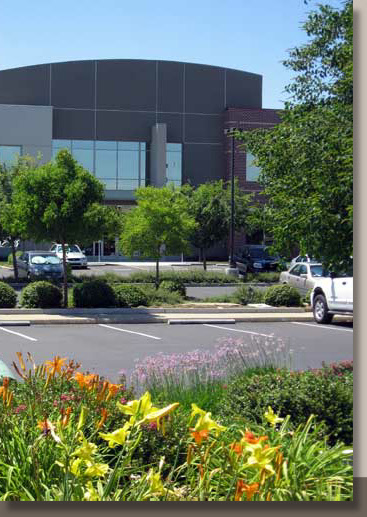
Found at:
(108, 348)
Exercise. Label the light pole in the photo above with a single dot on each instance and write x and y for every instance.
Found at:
(232, 270)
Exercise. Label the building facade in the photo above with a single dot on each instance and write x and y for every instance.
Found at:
(133, 122)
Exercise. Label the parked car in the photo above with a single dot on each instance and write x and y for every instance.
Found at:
(332, 295)
(74, 255)
(303, 258)
(256, 259)
(39, 265)
(303, 275)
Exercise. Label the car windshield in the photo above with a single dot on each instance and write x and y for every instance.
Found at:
(261, 253)
(44, 259)
(318, 270)
(73, 249)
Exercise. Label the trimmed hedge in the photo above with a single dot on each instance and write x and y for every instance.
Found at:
(129, 295)
(94, 293)
(8, 296)
(42, 295)
(282, 296)
(327, 393)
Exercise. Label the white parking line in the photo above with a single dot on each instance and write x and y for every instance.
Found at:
(18, 334)
(238, 330)
(129, 331)
(321, 326)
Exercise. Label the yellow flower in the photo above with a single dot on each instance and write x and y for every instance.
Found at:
(55, 365)
(271, 417)
(86, 451)
(143, 410)
(96, 469)
(261, 458)
(204, 422)
(75, 466)
(155, 483)
(82, 417)
(91, 494)
(118, 437)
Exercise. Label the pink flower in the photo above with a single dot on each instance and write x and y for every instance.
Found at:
(123, 400)
(55, 403)
(20, 408)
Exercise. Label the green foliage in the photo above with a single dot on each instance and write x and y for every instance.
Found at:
(263, 277)
(94, 293)
(306, 161)
(160, 219)
(327, 395)
(307, 298)
(129, 295)
(8, 296)
(42, 295)
(245, 295)
(282, 296)
(157, 297)
(175, 285)
(10, 257)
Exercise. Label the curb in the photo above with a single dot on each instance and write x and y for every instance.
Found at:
(201, 321)
(15, 323)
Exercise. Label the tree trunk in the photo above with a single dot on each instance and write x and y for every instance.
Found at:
(204, 258)
(15, 265)
(65, 274)
(157, 273)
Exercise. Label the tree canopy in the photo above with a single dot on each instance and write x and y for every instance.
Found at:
(307, 160)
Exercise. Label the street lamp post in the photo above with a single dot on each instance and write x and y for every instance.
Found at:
(232, 270)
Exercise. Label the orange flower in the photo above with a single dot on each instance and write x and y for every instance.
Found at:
(18, 371)
(199, 436)
(66, 416)
(237, 448)
(103, 391)
(80, 379)
(112, 390)
(103, 419)
(21, 362)
(45, 425)
(249, 437)
(55, 365)
(242, 487)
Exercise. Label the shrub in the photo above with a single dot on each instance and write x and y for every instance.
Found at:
(307, 297)
(327, 395)
(269, 277)
(94, 293)
(8, 296)
(282, 295)
(129, 295)
(162, 296)
(42, 295)
(10, 257)
(175, 285)
(245, 295)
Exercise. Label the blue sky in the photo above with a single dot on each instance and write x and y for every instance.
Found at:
(251, 35)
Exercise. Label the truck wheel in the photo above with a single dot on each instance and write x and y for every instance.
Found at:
(320, 310)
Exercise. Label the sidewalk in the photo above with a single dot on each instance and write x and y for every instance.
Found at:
(199, 314)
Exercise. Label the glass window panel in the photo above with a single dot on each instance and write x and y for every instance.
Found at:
(83, 144)
(174, 169)
(142, 164)
(252, 172)
(84, 157)
(143, 146)
(9, 153)
(128, 164)
(61, 144)
(174, 147)
(101, 144)
(109, 183)
(106, 164)
(128, 146)
(128, 184)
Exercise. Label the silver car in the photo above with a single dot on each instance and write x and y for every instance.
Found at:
(303, 275)
(40, 265)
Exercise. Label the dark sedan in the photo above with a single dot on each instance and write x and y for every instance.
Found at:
(256, 259)
(39, 265)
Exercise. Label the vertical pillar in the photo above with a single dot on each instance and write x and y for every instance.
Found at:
(158, 155)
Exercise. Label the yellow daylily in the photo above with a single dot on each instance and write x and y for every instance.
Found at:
(82, 417)
(271, 417)
(159, 414)
(118, 437)
(74, 466)
(96, 469)
(91, 494)
(204, 422)
(138, 408)
(86, 451)
(261, 458)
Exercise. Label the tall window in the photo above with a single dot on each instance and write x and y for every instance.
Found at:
(118, 165)
(174, 164)
(252, 171)
(9, 154)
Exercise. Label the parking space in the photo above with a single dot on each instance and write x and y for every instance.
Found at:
(107, 349)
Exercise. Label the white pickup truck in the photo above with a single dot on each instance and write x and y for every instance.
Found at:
(332, 295)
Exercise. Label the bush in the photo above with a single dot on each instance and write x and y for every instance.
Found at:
(10, 257)
(94, 293)
(129, 295)
(8, 296)
(42, 295)
(245, 295)
(282, 295)
(307, 297)
(175, 285)
(327, 395)
(162, 296)
(268, 277)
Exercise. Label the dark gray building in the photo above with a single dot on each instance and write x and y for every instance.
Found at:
(131, 122)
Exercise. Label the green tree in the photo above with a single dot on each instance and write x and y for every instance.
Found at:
(159, 223)
(210, 205)
(307, 160)
(60, 201)
(10, 226)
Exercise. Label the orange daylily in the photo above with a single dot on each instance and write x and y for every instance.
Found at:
(103, 418)
(237, 448)
(18, 371)
(199, 436)
(55, 365)
(243, 487)
(112, 390)
(66, 416)
(21, 362)
(86, 381)
(249, 437)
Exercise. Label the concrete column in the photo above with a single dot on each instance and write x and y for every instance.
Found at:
(158, 155)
